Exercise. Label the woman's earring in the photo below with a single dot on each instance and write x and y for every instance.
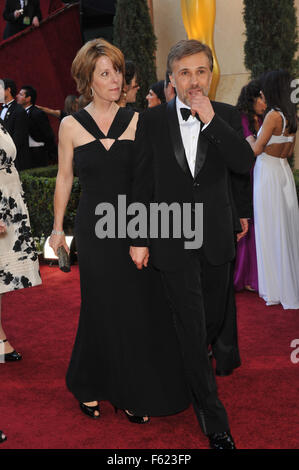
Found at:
(91, 91)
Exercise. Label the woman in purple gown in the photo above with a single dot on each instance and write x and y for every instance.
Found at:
(252, 107)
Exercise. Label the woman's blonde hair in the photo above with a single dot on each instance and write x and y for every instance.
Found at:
(84, 63)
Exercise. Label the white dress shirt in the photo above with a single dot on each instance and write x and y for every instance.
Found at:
(4, 110)
(190, 130)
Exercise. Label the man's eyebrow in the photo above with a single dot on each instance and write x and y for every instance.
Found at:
(197, 68)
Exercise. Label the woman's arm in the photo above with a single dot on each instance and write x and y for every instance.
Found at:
(272, 121)
(64, 181)
(52, 112)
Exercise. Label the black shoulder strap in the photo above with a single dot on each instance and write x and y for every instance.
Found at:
(86, 121)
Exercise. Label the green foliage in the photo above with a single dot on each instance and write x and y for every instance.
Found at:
(39, 186)
(134, 35)
(271, 36)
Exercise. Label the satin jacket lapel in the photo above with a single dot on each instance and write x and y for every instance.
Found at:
(176, 139)
(201, 153)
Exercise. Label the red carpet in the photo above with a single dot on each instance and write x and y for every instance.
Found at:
(37, 412)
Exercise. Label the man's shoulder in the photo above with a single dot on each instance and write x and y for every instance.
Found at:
(224, 107)
(155, 111)
(16, 108)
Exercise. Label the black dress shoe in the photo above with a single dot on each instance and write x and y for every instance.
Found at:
(10, 357)
(221, 440)
(224, 373)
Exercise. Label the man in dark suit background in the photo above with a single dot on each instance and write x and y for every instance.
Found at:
(41, 136)
(196, 146)
(16, 122)
(20, 14)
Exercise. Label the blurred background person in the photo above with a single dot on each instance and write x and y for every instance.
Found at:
(169, 90)
(82, 102)
(252, 108)
(275, 203)
(156, 94)
(16, 122)
(70, 107)
(19, 266)
(42, 144)
(131, 86)
(19, 14)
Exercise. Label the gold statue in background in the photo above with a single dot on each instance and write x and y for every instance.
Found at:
(199, 20)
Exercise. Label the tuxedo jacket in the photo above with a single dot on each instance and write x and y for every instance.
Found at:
(17, 123)
(40, 129)
(222, 154)
(14, 25)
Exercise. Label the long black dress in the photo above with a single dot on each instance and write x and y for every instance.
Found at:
(126, 350)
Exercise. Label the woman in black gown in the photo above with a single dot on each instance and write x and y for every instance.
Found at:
(125, 350)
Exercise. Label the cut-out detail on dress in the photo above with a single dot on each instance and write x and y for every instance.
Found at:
(108, 141)
(92, 129)
(129, 133)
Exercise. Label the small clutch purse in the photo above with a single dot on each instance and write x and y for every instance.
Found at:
(63, 260)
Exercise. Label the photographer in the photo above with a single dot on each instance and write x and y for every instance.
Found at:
(20, 14)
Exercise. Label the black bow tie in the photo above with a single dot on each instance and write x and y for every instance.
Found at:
(4, 106)
(186, 113)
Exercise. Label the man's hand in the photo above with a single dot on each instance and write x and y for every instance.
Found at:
(244, 225)
(35, 22)
(201, 105)
(139, 255)
(17, 13)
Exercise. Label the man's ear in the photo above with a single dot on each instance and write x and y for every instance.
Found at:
(172, 80)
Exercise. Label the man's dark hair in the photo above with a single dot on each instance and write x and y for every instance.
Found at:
(30, 91)
(187, 47)
(9, 83)
(130, 71)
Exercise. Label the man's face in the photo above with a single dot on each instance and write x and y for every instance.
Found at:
(22, 99)
(191, 75)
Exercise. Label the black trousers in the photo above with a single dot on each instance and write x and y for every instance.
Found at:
(184, 289)
(225, 346)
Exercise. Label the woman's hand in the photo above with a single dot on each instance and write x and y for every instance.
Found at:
(2, 227)
(56, 241)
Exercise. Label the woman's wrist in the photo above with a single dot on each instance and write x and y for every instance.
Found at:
(57, 232)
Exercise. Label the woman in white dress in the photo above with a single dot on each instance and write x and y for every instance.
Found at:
(19, 267)
(276, 212)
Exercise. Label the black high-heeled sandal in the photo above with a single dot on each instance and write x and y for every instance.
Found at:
(90, 410)
(9, 357)
(2, 437)
(133, 418)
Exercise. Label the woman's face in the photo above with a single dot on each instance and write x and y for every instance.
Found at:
(260, 105)
(152, 99)
(106, 81)
(132, 90)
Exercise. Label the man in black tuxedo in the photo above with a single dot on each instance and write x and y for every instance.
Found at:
(20, 14)
(15, 120)
(195, 146)
(41, 136)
